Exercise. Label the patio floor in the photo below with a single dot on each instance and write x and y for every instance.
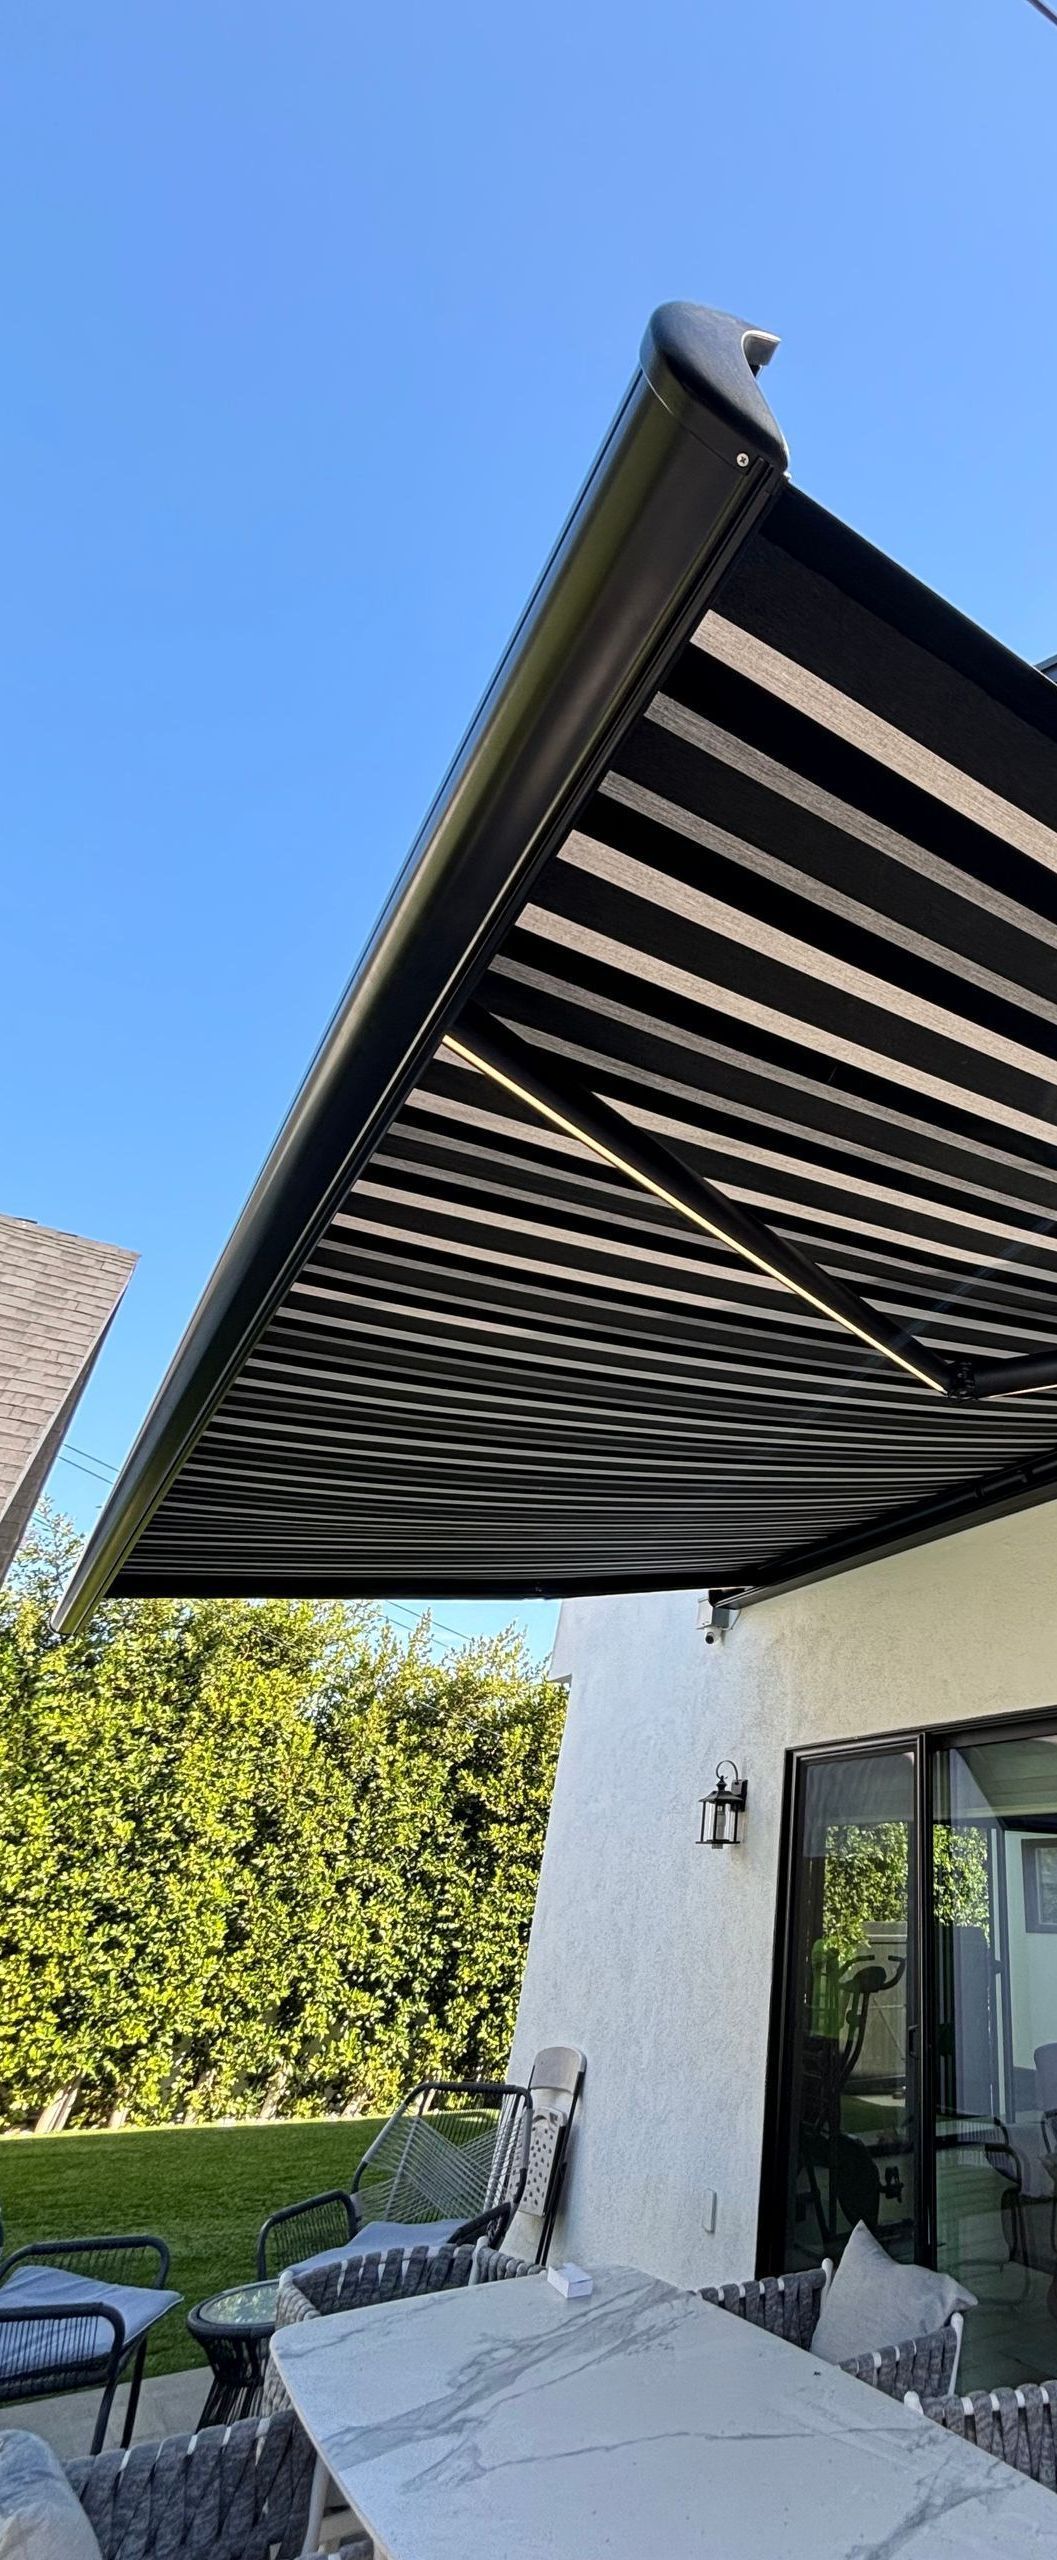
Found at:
(170, 2405)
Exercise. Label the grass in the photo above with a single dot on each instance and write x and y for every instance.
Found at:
(205, 2189)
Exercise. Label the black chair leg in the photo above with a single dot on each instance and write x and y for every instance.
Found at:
(103, 2419)
(133, 2395)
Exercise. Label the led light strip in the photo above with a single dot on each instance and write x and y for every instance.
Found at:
(1001, 1395)
(710, 1226)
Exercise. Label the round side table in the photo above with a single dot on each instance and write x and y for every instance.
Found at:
(233, 2329)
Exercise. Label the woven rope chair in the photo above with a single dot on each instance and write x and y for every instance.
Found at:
(54, 2342)
(1014, 2426)
(493, 2266)
(789, 2306)
(455, 2152)
(229, 2493)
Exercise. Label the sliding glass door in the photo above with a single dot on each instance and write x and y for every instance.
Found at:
(995, 1919)
(914, 2083)
(851, 2147)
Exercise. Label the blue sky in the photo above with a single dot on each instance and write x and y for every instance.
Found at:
(313, 317)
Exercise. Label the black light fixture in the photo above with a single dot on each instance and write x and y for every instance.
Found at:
(721, 1812)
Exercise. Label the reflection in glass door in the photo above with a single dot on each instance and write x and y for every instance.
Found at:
(995, 1901)
(850, 2134)
(918, 2090)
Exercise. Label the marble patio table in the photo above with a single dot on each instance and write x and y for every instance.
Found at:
(643, 2423)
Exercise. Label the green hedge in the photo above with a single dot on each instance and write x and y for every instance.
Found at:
(257, 1856)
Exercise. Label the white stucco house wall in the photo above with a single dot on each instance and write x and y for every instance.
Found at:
(654, 1954)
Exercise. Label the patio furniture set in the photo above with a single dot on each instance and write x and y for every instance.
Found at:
(478, 2411)
(475, 2410)
(456, 2161)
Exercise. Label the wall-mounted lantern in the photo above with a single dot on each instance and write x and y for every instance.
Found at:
(721, 1812)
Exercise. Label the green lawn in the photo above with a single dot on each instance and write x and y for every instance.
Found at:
(206, 2190)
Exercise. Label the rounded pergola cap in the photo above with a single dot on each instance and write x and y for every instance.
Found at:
(703, 365)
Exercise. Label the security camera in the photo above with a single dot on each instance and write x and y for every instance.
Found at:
(721, 1619)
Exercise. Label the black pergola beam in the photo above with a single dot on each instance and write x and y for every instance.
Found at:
(1029, 1375)
(568, 1104)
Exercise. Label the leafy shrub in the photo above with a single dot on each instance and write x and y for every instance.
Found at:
(257, 1856)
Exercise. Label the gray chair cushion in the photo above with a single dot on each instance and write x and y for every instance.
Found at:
(41, 2517)
(377, 2235)
(47, 2288)
(873, 2302)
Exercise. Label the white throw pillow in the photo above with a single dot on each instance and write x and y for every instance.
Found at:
(41, 2517)
(874, 2302)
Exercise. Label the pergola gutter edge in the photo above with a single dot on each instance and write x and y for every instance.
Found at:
(691, 463)
(1019, 1486)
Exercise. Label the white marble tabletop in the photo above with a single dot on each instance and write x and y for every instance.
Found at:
(641, 2423)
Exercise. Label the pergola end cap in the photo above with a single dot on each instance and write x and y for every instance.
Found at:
(703, 365)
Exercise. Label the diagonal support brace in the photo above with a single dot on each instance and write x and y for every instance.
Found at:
(570, 1106)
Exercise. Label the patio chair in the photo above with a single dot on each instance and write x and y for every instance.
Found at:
(789, 2306)
(1014, 2426)
(1028, 2203)
(393, 2275)
(555, 2082)
(450, 2165)
(228, 2493)
(76, 2315)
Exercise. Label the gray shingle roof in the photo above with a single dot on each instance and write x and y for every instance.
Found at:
(58, 1294)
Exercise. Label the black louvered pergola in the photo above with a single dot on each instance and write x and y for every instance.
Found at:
(674, 1198)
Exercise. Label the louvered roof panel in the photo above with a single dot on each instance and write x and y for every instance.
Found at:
(801, 932)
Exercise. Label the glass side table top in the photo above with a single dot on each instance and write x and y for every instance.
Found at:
(240, 2306)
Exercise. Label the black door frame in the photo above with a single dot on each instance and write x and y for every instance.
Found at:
(771, 2219)
(923, 1741)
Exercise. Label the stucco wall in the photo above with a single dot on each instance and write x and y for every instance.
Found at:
(653, 1954)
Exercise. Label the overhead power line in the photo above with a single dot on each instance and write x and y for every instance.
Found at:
(1045, 12)
(80, 1470)
(91, 1455)
(398, 1609)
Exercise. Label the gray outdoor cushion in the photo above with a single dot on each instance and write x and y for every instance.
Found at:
(873, 2302)
(47, 2288)
(377, 2235)
(41, 2517)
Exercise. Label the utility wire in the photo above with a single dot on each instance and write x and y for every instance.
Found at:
(398, 1606)
(83, 1471)
(90, 1454)
(1045, 12)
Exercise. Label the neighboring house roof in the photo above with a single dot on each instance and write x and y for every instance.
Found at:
(58, 1294)
(672, 1198)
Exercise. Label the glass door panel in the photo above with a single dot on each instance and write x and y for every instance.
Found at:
(850, 2134)
(994, 1861)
